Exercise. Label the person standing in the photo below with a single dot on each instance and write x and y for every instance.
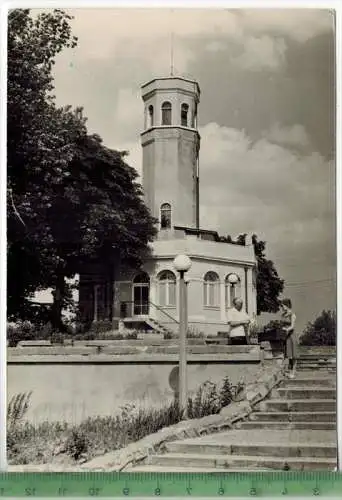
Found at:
(238, 323)
(289, 320)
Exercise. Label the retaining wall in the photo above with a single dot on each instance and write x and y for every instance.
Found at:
(72, 383)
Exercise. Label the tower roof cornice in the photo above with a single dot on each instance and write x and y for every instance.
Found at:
(171, 82)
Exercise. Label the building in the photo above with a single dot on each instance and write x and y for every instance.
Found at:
(148, 298)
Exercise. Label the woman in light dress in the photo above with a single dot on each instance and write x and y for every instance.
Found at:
(289, 320)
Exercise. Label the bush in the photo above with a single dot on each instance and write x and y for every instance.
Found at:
(169, 335)
(211, 398)
(193, 333)
(132, 336)
(322, 332)
(23, 330)
(101, 327)
(77, 444)
(84, 336)
(17, 408)
(95, 436)
(273, 331)
(57, 338)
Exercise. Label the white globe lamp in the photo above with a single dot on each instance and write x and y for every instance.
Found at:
(182, 263)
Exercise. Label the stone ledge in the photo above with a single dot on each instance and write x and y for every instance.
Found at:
(156, 340)
(136, 452)
(122, 347)
(139, 358)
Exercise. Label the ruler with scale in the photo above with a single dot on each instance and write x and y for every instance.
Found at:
(221, 484)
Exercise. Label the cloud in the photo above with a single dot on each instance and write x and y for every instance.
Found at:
(294, 135)
(265, 188)
(216, 45)
(107, 33)
(299, 24)
(129, 114)
(264, 52)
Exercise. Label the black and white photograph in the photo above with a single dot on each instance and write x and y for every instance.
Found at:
(171, 239)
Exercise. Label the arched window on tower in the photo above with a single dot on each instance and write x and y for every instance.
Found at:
(211, 290)
(167, 289)
(166, 113)
(150, 121)
(165, 216)
(184, 115)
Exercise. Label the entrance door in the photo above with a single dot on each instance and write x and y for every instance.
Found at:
(141, 288)
(141, 292)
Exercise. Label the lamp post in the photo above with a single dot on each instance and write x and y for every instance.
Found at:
(182, 264)
(233, 279)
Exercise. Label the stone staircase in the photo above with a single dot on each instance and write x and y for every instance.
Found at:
(294, 429)
(158, 327)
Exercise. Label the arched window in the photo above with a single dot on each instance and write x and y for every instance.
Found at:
(166, 113)
(141, 278)
(167, 289)
(150, 116)
(165, 216)
(184, 115)
(231, 291)
(211, 290)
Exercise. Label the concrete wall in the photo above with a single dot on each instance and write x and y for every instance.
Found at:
(169, 172)
(72, 388)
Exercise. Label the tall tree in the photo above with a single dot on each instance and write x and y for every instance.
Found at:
(268, 283)
(39, 145)
(71, 200)
(97, 214)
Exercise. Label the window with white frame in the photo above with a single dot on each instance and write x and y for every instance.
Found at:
(231, 291)
(166, 113)
(211, 290)
(165, 216)
(184, 115)
(167, 289)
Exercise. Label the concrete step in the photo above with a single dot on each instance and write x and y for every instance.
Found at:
(300, 405)
(313, 392)
(320, 362)
(236, 461)
(299, 416)
(318, 357)
(303, 381)
(160, 469)
(254, 449)
(320, 426)
(316, 366)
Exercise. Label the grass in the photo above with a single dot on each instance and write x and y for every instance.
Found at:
(55, 442)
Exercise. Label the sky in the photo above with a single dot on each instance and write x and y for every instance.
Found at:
(266, 119)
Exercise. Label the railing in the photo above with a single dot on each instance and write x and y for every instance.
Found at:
(159, 308)
(130, 309)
